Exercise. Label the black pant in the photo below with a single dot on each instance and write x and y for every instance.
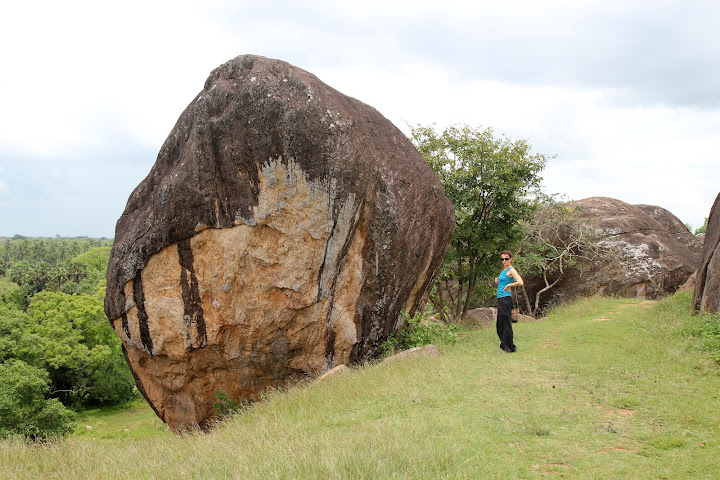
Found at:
(504, 324)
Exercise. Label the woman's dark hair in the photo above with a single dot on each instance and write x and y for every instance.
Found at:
(507, 252)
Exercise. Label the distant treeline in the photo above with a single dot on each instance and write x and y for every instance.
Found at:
(70, 265)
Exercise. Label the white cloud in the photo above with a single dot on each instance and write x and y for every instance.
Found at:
(625, 93)
(659, 155)
(75, 62)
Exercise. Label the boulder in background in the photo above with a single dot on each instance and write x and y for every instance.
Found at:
(652, 253)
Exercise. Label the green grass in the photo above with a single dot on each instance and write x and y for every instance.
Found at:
(133, 421)
(603, 389)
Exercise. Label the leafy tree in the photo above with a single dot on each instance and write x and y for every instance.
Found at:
(418, 331)
(491, 181)
(702, 229)
(13, 327)
(10, 293)
(51, 317)
(88, 271)
(24, 408)
(20, 273)
(555, 239)
(71, 266)
(95, 259)
(69, 336)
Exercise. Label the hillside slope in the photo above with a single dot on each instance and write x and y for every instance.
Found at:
(603, 389)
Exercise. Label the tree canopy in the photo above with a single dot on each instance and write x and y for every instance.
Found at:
(702, 229)
(491, 181)
(24, 408)
(53, 330)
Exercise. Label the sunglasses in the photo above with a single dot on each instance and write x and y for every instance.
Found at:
(504, 259)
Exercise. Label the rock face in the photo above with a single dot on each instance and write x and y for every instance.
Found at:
(653, 254)
(280, 232)
(674, 227)
(707, 282)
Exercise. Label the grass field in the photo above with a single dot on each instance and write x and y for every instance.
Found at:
(602, 389)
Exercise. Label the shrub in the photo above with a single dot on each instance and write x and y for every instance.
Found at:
(24, 408)
(419, 331)
(225, 407)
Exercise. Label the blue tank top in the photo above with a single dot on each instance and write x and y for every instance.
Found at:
(504, 280)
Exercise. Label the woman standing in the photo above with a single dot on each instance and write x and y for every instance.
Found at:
(509, 277)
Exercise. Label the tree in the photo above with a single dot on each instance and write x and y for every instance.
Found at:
(491, 182)
(702, 229)
(13, 327)
(64, 333)
(96, 258)
(70, 337)
(10, 294)
(555, 239)
(24, 408)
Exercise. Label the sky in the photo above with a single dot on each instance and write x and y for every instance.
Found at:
(624, 94)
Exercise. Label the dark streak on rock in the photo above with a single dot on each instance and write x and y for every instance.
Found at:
(330, 336)
(125, 326)
(322, 265)
(139, 298)
(193, 312)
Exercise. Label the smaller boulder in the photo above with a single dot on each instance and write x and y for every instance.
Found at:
(332, 373)
(426, 351)
(526, 318)
(487, 316)
(653, 254)
(480, 317)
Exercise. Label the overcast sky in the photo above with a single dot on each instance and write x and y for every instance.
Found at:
(625, 93)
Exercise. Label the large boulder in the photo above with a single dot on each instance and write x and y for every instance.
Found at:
(707, 282)
(674, 227)
(650, 253)
(280, 232)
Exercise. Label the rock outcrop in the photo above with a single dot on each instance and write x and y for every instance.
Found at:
(280, 232)
(651, 253)
(674, 227)
(707, 282)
